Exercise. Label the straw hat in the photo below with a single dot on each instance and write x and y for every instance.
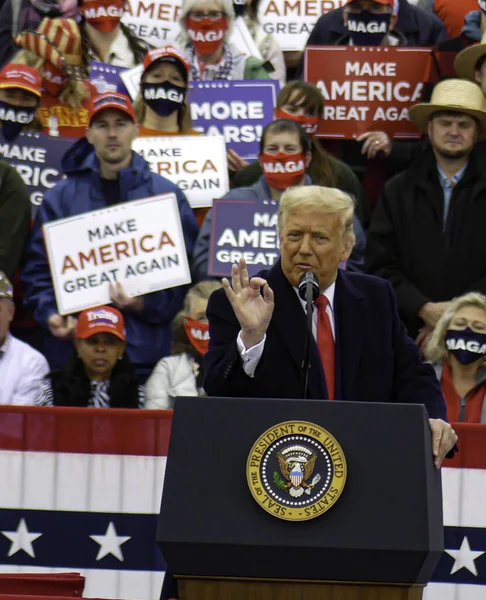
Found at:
(466, 61)
(57, 41)
(452, 95)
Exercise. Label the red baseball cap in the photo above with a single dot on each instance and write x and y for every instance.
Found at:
(103, 319)
(21, 76)
(168, 54)
(385, 2)
(111, 100)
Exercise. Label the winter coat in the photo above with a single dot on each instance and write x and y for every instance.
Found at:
(148, 332)
(407, 243)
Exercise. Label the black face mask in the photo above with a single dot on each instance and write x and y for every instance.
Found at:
(466, 345)
(163, 98)
(239, 7)
(14, 119)
(368, 29)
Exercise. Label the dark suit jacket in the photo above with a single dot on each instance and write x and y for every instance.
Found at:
(376, 361)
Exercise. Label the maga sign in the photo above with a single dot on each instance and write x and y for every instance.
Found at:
(106, 78)
(291, 21)
(155, 22)
(139, 244)
(37, 158)
(238, 110)
(367, 88)
(243, 229)
(196, 164)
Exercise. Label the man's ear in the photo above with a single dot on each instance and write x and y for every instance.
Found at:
(393, 22)
(477, 76)
(88, 135)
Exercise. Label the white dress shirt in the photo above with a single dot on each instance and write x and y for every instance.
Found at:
(22, 371)
(251, 357)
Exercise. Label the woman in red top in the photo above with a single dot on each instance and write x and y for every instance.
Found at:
(457, 349)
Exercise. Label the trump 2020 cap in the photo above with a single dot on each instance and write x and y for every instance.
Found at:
(104, 319)
(111, 100)
(20, 76)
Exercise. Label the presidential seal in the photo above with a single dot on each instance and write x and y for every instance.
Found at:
(296, 470)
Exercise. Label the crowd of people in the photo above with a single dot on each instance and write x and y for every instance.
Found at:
(417, 219)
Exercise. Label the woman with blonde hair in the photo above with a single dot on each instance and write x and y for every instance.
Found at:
(457, 350)
(161, 107)
(182, 373)
(55, 49)
(205, 25)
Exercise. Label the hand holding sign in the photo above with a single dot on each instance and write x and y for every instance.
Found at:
(62, 327)
(124, 302)
(374, 142)
(252, 310)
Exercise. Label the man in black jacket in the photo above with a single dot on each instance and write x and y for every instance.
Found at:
(427, 232)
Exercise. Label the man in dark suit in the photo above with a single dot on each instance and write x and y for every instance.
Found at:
(362, 351)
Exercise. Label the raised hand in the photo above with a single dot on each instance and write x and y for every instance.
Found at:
(252, 310)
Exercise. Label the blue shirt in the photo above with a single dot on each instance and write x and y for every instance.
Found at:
(447, 187)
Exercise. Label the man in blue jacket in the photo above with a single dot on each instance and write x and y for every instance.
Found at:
(100, 175)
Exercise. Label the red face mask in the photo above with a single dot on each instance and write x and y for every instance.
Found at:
(53, 79)
(310, 124)
(283, 170)
(102, 15)
(198, 334)
(206, 35)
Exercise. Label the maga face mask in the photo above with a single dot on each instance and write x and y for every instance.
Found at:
(163, 98)
(198, 334)
(282, 170)
(368, 29)
(466, 345)
(310, 124)
(207, 35)
(103, 16)
(14, 119)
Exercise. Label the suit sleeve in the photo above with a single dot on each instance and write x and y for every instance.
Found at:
(414, 380)
(382, 258)
(200, 257)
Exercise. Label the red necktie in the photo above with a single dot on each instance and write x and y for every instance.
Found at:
(325, 343)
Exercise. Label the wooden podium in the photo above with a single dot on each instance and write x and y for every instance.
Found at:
(380, 540)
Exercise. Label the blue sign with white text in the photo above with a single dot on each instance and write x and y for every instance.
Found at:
(237, 110)
(106, 78)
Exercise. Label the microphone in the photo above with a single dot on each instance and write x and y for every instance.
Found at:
(307, 280)
(309, 292)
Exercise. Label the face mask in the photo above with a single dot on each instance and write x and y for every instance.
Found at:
(282, 170)
(101, 16)
(53, 10)
(482, 5)
(310, 124)
(163, 98)
(14, 119)
(239, 7)
(466, 345)
(53, 80)
(368, 29)
(206, 35)
(198, 334)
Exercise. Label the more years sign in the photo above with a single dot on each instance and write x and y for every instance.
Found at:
(197, 164)
(367, 88)
(139, 244)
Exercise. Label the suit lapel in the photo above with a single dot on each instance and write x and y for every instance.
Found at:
(290, 321)
(350, 321)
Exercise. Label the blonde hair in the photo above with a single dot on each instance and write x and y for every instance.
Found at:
(314, 197)
(75, 92)
(202, 290)
(436, 349)
(189, 5)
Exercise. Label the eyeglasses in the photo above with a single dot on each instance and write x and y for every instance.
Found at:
(212, 15)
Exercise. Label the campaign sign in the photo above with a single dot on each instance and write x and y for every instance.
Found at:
(243, 229)
(237, 110)
(139, 244)
(37, 158)
(197, 164)
(291, 22)
(106, 78)
(155, 22)
(367, 88)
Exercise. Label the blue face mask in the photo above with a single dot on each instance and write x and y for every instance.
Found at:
(14, 119)
(368, 29)
(163, 98)
(466, 345)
